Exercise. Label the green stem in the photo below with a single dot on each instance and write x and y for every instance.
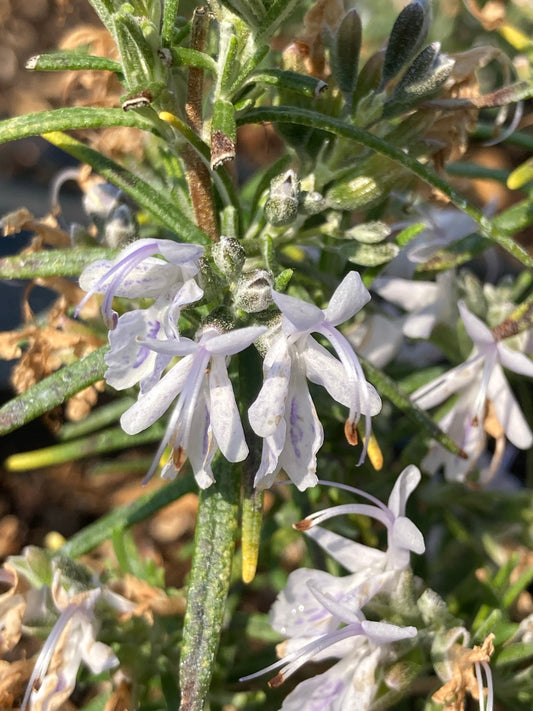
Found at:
(304, 117)
(209, 583)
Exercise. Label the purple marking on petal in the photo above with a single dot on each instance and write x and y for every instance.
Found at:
(144, 351)
(295, 430)
(205, 442)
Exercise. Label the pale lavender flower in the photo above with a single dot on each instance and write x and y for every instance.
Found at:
(129, 362)
(403, 537)
(427, 303)
(205, 417)
(322, 614)
(137, 273)
(284, 413)
(478, 380)
(71, 642)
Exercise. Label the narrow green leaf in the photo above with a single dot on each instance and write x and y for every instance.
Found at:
(122, 518)
(475, 170)
(515, 218)
(153, 201)
(209, 583)
(518, 652)
(97, 419)
(408, 233)
(252, 517)
(514, 590)
(223, 133)
(288, 81)
(278, 12)
(387, 388)
(304, 117)
(104, 9)
(345, 52)
(170, 12)
(72, 60)
(53, 390)
(69, 119)
(57, 262)
(408, 34)
(109, 440)
(194, 58)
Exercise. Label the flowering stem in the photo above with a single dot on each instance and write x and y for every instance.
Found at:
(216, 528)
(198, 176)
(304, 117)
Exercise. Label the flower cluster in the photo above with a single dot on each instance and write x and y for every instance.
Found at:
(145, 341)
(323, 615)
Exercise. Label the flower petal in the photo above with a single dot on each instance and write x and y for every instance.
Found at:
(404, 486)
(349, 298)
(152, 405)
(352, 555)
(301, 315)
(439, 389)
(406, 536)
(233, 341)
(479, 332)
(383, 632)
(268, 410)
(324, 369)
(225, 417)
(515, 361)
(410, 295)
(304, 434)
(508, 411)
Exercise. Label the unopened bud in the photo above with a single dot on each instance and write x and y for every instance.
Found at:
(99, 201)
(311, 202)
(121, 227)
(254, 291)
(229, 256)
(281, 207)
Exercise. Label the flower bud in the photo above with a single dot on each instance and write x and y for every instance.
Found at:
(369, 232)
(432, 608)
(311, 202)
(99, 201)
(254, 291)
(371, 181)
(229, 256)
(121, 227)
(281, 207)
